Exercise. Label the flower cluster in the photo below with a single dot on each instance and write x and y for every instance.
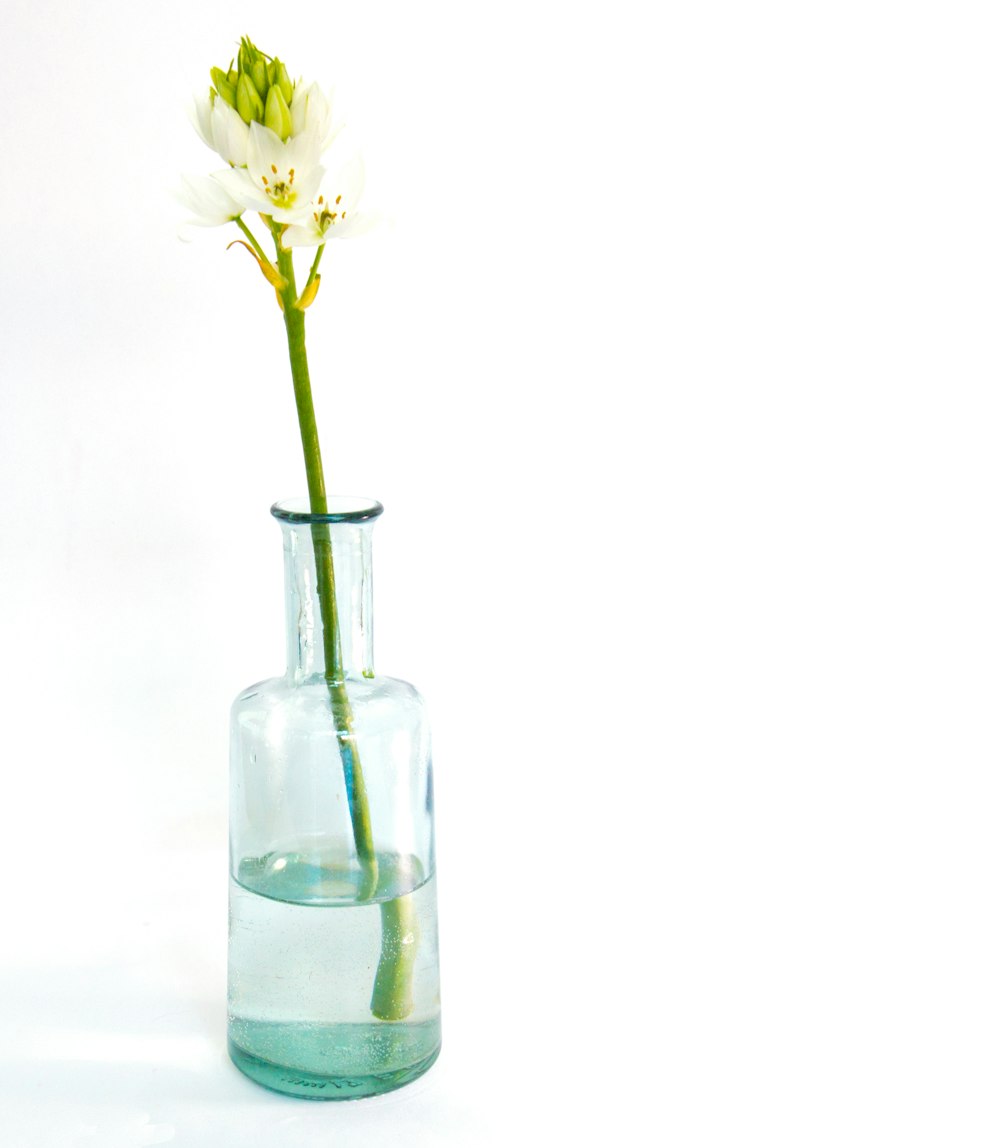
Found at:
(273, 134)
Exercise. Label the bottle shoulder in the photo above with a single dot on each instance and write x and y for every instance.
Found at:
(378, 691)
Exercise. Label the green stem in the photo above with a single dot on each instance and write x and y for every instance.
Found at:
(250, 235)
(357, 797)
(315, 265)
(392, 993)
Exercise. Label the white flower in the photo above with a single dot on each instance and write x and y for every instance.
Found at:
(222, 128)
(208, 201)
(333, 213)
(312, 114)
(280, 179)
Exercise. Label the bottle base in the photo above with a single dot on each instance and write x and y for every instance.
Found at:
(358, 1059)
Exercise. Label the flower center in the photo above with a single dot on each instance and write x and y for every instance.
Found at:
(280, 190)
(325, 218)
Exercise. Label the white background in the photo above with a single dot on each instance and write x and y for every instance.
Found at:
(677, 375)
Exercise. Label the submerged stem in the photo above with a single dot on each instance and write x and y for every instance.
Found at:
(392, 994)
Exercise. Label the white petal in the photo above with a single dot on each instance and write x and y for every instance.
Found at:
(299, 236)
(357, 223)
(241, 187)
(268, 156)
(229, 133)
(208, 201)
(265, 151)
(200, 112)
(303, 152)
(312, 114)
(346, 180)
(300, 100)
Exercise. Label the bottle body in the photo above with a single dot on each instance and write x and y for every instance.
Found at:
(333, 959)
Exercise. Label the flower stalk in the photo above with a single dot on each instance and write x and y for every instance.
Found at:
(326, 586)
(392, 993)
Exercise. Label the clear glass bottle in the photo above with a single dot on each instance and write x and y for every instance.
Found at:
(333, 960)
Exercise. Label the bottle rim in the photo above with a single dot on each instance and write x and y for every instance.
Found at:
(340, 508)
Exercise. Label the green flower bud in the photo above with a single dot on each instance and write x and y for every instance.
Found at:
(228, 93)
(258, 73)
(248, 103)
(282, 80)
(277, 117)
(248, 83)
(223, 87)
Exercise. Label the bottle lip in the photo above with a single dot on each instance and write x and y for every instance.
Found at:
(340, 508)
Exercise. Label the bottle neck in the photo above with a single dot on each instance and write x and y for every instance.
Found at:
(347, 652)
